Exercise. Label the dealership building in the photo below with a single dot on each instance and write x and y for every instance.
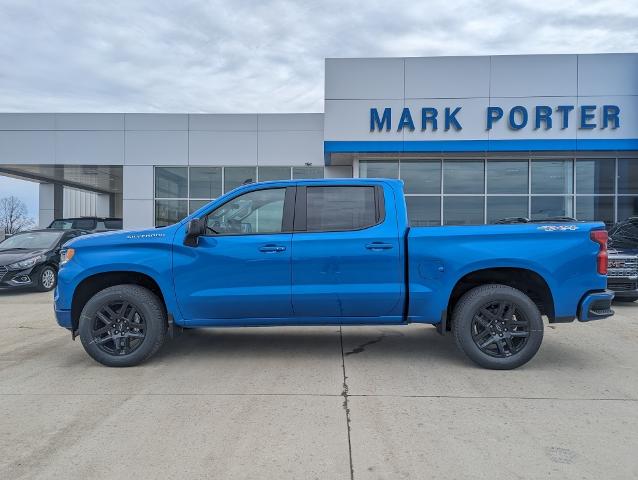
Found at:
(474, 139)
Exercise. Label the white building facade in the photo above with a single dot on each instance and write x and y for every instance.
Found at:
(475, 139)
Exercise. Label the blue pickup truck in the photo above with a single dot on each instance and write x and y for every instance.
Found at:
(330, 252)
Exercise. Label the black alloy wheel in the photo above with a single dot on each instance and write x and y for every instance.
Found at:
(499, 329)
(118, 328)
(123, 325)
(497, 326)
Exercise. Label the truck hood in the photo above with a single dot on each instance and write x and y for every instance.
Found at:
(125, 237)
(13, 255)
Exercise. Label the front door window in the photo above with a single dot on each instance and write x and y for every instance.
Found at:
(260, 211)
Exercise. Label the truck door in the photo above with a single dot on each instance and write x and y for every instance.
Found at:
(241, 268)
(346, 255)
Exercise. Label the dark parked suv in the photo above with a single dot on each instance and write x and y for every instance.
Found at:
(31, 259)
(622, 276)
(89, 224)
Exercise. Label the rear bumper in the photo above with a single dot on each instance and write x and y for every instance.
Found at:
(596, 306)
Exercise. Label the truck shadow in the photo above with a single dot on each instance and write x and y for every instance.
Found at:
(414, 344)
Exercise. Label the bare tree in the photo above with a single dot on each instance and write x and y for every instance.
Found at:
(13, 215)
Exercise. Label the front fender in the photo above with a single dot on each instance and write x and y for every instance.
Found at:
(154, 261)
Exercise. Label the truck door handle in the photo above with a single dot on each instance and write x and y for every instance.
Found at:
(379, 246)
(272, 248)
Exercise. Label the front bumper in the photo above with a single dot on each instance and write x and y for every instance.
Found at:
(18, 278)
(62, 315)
(596, 306)
(623, 287)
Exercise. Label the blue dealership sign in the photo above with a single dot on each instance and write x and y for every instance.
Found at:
(538, 117)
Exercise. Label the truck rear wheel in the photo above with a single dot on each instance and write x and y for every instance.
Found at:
(122, 326)
(497, 326)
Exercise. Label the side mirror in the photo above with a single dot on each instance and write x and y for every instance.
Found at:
(195, 228)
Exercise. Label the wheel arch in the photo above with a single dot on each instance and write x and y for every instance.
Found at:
(527, 281)
(99, 281)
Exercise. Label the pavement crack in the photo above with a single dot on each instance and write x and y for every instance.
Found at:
(346, 407)
(363, 346)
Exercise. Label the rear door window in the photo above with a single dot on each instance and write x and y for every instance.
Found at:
(338, 208)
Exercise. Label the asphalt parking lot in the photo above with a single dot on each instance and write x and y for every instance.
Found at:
(305, 403)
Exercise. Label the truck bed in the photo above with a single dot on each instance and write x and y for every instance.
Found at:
(562, 255)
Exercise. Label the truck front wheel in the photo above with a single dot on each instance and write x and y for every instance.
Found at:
(123, 325)
(497, 326)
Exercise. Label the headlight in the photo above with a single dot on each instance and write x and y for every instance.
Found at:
(28, 263)
(66, 255)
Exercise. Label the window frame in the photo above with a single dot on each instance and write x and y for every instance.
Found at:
(300, 224)
(286, 220)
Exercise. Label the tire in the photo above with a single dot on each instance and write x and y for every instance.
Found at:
(498, 327)
(47, 279)
(123, 326)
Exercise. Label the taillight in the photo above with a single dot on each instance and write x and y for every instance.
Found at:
(600, 237)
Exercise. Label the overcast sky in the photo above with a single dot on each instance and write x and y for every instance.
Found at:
(262, 56)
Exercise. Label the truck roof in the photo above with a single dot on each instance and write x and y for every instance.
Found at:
(330, 181)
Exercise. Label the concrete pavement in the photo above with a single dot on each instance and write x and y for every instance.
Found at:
(274, 403)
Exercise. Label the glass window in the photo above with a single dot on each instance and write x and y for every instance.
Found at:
(463, 210)
(507, 176)
(113, 224)
(260, 211)
(85, 224)
(171, 182)
(237, 176)
(627, 175)
(61, 224)
(627, 207)
(552, 176)
(205, 182)
(504, 207)
(421, 176)
(273, 173)
(194, 205)
(463, 176)
(546, 207)
(340, 208)
(299, 173)
(595, 176)
(595, 208)
(423, 211)
(376, 169)
(168, 212)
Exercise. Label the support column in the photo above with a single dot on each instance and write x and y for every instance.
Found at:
(51, 203)
(338, 171)
(137, 204)
(103, 205)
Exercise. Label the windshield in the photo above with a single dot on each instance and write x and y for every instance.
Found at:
(79, 223)
(31, 240)
(61, 224)
(624, 235)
